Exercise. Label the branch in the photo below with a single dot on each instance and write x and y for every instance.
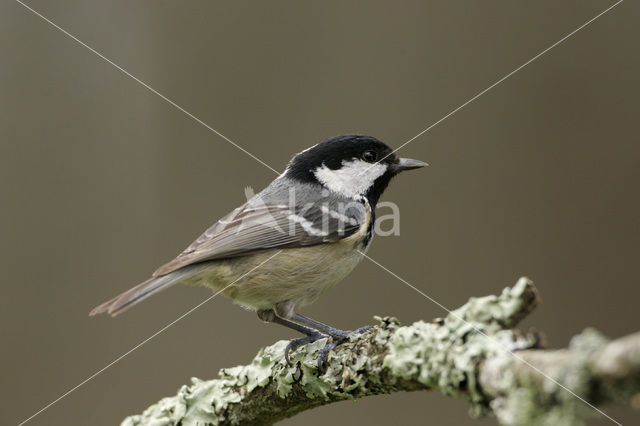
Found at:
(469, 354)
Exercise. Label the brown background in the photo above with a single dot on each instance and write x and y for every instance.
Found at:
(102, 181)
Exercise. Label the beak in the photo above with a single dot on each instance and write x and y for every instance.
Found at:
(407, 164)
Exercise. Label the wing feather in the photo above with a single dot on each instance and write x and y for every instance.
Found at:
(253, 227)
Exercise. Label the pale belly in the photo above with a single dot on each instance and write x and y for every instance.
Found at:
(300, 275)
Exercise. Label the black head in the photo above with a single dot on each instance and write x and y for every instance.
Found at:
(351, 165)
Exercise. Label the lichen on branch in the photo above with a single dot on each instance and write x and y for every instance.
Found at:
(473, 353)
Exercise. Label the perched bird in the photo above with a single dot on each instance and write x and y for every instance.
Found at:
(291, 242)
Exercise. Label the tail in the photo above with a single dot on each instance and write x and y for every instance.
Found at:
(143, 290)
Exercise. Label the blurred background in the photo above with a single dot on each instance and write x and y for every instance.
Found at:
(102, 181)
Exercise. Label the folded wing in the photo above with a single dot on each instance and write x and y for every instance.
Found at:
(259, 226)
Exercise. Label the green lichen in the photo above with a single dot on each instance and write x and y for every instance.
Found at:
(555, 402)
(445, 354)
(202, 401)
(199, 403)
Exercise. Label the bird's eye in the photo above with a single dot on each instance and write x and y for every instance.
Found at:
(370, 156)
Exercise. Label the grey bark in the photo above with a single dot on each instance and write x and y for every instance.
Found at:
(473, 353)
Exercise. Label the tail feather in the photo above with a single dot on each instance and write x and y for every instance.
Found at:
(143, 290)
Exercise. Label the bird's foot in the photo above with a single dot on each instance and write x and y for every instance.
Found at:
(338, 337)
(296, 343)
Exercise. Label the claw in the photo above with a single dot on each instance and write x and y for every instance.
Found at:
(296, 343)
(362, 329)
(344, 335)
(323, 355)
(337, 338)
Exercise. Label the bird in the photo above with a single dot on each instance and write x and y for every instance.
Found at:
(291, 242)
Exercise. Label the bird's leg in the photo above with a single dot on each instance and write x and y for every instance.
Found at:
(338, 335)
(285, 314)
(312, 335)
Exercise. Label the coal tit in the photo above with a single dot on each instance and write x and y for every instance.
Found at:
(291, 242)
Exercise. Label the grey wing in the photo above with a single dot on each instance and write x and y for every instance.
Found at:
(261, 226)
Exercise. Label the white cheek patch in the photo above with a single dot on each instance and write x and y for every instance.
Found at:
(354, 178)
